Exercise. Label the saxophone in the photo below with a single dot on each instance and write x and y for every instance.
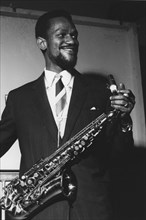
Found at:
(50, 178)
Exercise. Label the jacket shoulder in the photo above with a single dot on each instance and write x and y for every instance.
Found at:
(26, 87)
(96, 79)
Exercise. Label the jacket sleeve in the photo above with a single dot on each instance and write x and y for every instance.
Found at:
(8, 134)
(121, 143)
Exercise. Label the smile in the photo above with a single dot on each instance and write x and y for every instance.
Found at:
(69, 49)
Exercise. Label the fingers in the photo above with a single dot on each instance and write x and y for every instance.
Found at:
(124, 100)
(127, 93)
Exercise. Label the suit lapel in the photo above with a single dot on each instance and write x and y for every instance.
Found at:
(41, 102)
(43, 106)
(78, 98)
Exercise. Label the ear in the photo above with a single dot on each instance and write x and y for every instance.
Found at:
(42, 44)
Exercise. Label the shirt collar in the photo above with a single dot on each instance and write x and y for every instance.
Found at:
(50, 76)
(66, 77)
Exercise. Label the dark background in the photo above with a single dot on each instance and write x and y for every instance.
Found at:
(128, 179)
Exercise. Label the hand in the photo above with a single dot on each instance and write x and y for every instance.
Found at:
(123, 101)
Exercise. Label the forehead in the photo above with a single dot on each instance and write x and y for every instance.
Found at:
(61, 23)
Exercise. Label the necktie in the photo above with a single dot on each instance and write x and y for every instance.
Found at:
(60, 97)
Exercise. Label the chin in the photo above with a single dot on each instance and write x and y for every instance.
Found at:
(67, 63)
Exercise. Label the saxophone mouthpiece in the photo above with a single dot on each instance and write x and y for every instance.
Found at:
(112, 84)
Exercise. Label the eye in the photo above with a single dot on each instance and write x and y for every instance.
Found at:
(74, 35)
(61, 35)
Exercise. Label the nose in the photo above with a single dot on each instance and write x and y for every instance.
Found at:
(70, 39)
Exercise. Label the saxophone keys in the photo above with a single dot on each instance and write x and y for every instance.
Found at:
(71, 186)
(85, 137)
(23, 177)
(29, 181)
(76, 147)
(35, 175)
(83, 142)
(22, 183)
(75, 152)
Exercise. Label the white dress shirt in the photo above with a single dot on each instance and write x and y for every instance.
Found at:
(50, 81)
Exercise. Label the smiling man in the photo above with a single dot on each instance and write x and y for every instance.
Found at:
(48, 112)
(59, 43)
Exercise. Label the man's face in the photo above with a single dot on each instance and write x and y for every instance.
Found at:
(62, 43)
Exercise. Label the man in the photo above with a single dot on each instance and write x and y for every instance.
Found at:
(34, 117)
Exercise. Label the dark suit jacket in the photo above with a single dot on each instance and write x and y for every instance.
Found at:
(28, 118)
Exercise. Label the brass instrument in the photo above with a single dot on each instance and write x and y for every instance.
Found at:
(49, 178)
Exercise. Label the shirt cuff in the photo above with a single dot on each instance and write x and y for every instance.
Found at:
(126, 124)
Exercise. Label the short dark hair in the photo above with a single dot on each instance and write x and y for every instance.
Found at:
(43, 23)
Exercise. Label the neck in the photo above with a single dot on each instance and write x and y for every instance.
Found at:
(54, 68)
(57, 69)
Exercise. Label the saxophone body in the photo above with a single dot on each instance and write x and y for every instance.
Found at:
(49, 178)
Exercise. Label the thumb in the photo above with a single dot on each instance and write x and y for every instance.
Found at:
(121, 86)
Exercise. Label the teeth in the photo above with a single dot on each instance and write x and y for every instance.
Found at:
(68, 49)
